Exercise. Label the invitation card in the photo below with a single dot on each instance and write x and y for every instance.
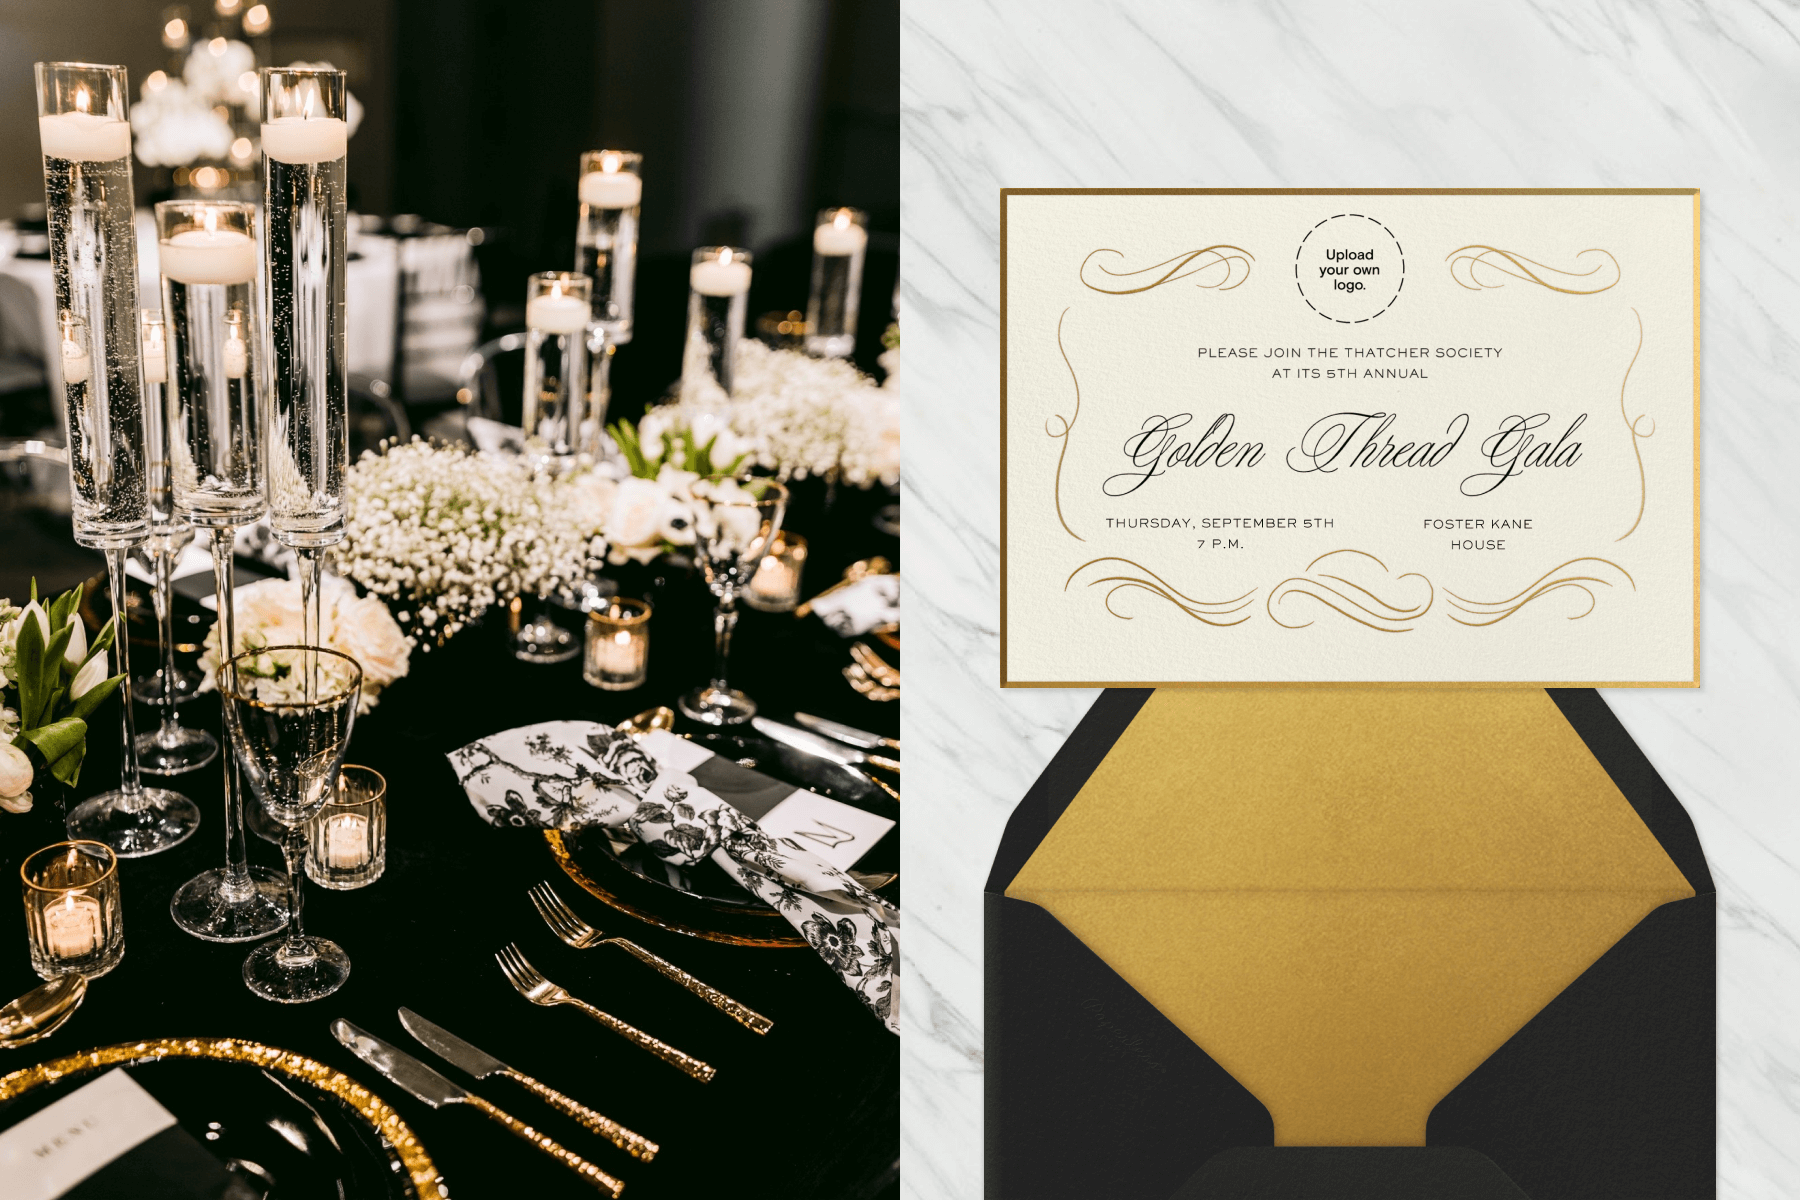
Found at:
(1405, 437)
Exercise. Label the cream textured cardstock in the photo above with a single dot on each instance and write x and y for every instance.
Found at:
(1401, 437)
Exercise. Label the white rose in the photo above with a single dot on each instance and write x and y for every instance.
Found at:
(636, 510)
(365, 630)
(20, 803)
(591, 497)
(15, 771)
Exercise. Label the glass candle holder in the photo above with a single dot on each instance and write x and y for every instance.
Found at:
(719, 293)
(607, 234)
(72, 911)
(557, 428)
(840, 240)
(618, 645)
(305, 224)
(776, 585)
(346, 842)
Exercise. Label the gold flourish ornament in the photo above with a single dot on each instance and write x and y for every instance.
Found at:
(1338, 592)
(1207, 612)
(1480, 268)
(1221, 267)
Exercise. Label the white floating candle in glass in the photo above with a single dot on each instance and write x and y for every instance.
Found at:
(840, 240)
(208, 255)
(72, 917)
(719, 279)
(77, 364)
(302, 140)
(156, 348)
(606, 235)
(84, 137)
(776, 585)
(346, 842)
(557, 313)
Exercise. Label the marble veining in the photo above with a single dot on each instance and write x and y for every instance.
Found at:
(1502, 94)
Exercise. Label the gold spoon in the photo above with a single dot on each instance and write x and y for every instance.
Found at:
(651, 719)
(41, 1011)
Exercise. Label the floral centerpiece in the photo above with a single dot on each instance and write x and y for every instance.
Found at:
(650, 512)
(51, 679)
(441, 533)
(798, 416)
(267, 613)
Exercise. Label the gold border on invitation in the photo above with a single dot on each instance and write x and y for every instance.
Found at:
(1008, 193)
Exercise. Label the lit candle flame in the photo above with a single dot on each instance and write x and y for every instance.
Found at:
(842, 220)
(609, 162)
(82, 101)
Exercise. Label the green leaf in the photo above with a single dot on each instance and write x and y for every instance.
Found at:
(93, 699)
(29, 656)
(57, 738)
(68, 767)
(59, 645)
(49, 715)
(102, 641)
(34, 589)
(64, 606)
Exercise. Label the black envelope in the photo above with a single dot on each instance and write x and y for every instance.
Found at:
(1606, 1090)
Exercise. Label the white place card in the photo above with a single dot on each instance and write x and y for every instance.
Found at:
(50, 1152)
(834, 831)
(1340, 437)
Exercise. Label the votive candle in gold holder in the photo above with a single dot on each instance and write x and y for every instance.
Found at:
(776, 585)
(346, 843)
(72, 912)
(618, 645)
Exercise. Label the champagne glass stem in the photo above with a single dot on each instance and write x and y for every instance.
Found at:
(725, 618)
(237, 848)
(166, 733)
(129, 782)
(312, 564)
(294, 947)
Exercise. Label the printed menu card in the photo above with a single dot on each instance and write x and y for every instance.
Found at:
(1404, 437)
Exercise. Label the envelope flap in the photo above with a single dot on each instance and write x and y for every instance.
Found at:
(1349, 789)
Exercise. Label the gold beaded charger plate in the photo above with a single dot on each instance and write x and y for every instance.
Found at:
(283, 1123)
(703, 901)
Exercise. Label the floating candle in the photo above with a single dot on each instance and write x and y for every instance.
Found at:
(556, 312)
(76, 365)
(841, 237)
(305, 139)
(84, 137)
(209, 256)
(156, 352)
(237, 351)
(717, 277)
(611, 189)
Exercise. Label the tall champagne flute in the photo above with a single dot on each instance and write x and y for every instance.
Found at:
(304, 140)
(735, 519)
(172, 749)
(86, 141)
(718, 297)
(218, 376)
(292, 711)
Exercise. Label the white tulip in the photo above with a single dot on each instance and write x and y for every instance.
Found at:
(20, 803)
(78, 643)
(15, 771)
(35, 612)
(89, 677)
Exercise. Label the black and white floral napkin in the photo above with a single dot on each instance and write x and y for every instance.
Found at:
(571, 774)
(854, 610)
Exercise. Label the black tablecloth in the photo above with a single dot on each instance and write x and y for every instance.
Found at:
(810, 1110)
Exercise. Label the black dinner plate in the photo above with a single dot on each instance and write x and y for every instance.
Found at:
(706, 881)
(286, 1137)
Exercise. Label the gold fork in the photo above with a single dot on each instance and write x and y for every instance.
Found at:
(531, 984)
(875, 665)
(574, 931)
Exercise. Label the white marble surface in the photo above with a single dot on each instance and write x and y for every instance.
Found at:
(1502, 93)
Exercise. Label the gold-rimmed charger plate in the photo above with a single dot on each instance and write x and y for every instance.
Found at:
(673, 912)
(408, 1161)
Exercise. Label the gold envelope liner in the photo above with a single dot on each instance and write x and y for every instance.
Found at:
(1349, 898)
